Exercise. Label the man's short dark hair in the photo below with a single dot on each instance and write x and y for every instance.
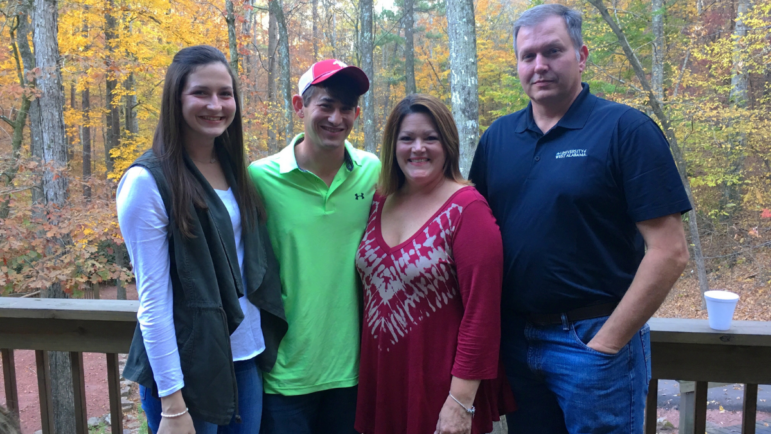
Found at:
(538, 14)
(337, 87)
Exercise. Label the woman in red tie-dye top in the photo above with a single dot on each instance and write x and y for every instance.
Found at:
(431, 266)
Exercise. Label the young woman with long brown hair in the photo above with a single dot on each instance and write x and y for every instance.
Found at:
(210, 314)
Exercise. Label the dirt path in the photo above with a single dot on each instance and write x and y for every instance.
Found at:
(95, 369)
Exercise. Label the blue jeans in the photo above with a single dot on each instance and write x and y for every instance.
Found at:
(562, 386)
(249, 382)
(330, 411)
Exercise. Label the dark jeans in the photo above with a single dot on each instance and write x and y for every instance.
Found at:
(249, 381)
(562, 386)
(327, 412)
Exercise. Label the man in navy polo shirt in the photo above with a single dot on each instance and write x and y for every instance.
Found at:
(580, 187)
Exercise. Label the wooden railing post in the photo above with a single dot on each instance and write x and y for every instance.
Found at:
(113, 384)
(650, 406)
(44, 392)
(749, 412)
(9, 376)
(700, 407)
(79, 392)
(693, 407)
(687, 395)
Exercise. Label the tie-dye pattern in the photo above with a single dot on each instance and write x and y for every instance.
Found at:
(405, 285)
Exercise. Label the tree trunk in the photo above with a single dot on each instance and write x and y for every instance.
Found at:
(659, 47)
(73, 106)
(131, 121)
(19, 34)
(272, 87)
(132, 124)
(86, 141)
(409, 45)
(232, 41)
(112, 139)
(315, 6)
(658, 111)
(246, 64)
(49, 85)
(25, 52)
(132, 130)
(463, 77)
(331, 22)
(387, 95)
(286, 76)
(368, 65)
(738, 98)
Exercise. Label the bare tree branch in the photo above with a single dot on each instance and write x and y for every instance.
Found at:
(438, 80)
(682, 71)
(655, 104)
(16, 190)
(624, 82)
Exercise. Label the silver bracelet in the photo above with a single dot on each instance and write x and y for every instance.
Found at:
(172, 416)
(470, 411)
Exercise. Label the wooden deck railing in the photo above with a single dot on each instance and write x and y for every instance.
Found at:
(687, 349)
(681, 349)
(74, 326)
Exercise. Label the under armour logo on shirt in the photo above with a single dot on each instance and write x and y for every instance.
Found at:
(357, 196)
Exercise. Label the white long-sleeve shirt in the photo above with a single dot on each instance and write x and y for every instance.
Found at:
(143, 222)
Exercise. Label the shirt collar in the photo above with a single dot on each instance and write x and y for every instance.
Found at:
(575, 118)
(287, 160)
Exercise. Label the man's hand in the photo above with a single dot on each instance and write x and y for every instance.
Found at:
(602, 349)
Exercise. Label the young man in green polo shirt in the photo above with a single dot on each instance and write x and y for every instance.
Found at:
(318, 192)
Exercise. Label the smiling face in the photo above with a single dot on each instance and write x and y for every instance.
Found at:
(419, 150)
(549, 70)
(208, 102)
(327, 120)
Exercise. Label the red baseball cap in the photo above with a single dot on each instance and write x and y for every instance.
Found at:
(325, 69)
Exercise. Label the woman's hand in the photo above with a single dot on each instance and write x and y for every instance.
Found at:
(177, 425)
(453, 419)
(175, 404)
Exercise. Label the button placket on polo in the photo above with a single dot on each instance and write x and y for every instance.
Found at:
(340, 177)
(536, 157)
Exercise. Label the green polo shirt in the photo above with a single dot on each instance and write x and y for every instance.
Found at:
(315, 231)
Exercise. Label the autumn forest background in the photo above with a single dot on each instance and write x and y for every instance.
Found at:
(80, 84)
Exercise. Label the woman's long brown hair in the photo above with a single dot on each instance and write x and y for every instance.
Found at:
(169, 147)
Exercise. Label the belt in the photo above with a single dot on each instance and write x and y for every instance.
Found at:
(589, 312)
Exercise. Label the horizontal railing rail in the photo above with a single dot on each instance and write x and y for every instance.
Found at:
(681, 349)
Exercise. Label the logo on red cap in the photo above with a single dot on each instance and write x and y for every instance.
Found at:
(326, 69)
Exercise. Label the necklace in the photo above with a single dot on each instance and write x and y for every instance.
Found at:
(212, 161)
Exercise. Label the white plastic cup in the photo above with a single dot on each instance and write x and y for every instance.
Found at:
(720, 308)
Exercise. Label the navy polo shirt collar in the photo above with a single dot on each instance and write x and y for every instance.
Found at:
(574, 119)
